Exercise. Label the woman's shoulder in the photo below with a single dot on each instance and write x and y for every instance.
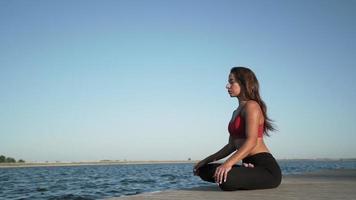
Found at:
(252, 107)
(252, 104)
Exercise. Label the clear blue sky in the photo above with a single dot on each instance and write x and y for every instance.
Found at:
(145, 80)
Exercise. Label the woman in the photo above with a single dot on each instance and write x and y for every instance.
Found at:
(248, 124)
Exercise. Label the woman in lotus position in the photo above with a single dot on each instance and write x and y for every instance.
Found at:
(248, 125)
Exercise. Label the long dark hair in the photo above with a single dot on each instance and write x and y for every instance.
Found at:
(250, 91)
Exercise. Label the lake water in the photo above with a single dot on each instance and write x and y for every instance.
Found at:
(103, 181)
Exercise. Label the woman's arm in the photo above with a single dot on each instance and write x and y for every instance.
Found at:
(253, 115)
(222, 153)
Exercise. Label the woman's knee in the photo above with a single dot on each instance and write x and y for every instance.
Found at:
(206, 173)
(231, 184)
(204, 177)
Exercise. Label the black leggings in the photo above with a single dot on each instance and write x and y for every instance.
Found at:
(265, 174)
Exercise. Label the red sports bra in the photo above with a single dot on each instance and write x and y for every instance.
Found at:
(237, 128)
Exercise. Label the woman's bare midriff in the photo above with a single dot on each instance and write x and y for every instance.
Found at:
(238, 142)
(260, 146)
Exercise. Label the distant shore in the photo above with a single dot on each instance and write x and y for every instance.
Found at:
(60, 164)
(110, 162)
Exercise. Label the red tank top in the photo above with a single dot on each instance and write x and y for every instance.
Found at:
(237, 128)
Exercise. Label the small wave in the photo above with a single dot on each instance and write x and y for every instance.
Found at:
(129, 191)
(137, 181)
(170, 177)
(70, 197)
(41, 189)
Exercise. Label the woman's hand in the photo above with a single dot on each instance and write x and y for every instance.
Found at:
(197, 166)
(221, 173)
(248, 165)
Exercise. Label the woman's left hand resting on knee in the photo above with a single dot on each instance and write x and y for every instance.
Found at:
(221, 173)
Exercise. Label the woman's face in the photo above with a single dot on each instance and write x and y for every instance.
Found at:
(233, 88)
